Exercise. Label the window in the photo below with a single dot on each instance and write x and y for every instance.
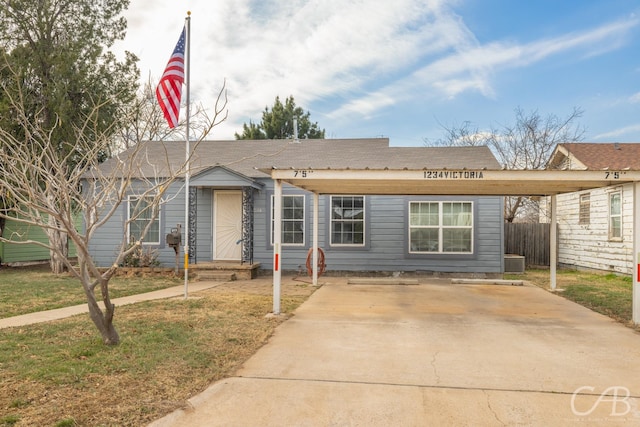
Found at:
(141, 212)
(292, 220)
(347, 220)
(440, 227)
(615, 216)
(585, 209)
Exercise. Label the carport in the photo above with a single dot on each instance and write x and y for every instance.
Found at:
(467, 182)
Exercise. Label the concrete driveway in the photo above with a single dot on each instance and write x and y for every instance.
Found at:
(432, 354)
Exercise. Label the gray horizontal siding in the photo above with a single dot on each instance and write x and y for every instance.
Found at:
(108, 238)
(386, 246)
(387, 235)
(204, 232)
(220, 177)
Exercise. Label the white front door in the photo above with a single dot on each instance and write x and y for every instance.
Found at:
(227, 225)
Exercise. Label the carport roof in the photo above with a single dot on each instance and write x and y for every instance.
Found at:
(449, 181)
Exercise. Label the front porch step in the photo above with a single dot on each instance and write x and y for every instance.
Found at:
(224, 270)
(215, 276)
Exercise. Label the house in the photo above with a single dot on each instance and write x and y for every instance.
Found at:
(595, 226)
(231, 209)
(13, 250)
(16, 253)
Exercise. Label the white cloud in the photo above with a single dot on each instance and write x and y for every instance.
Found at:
(619, 134)
(309, 49)
(470, 66)
(366, 55)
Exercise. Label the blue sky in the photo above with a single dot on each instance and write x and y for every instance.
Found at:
(403, 69)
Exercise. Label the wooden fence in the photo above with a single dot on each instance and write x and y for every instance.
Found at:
(529, 240)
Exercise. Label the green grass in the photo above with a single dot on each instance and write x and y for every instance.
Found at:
(608, 294)
(9, 420)
(27, 290)
(60, 373)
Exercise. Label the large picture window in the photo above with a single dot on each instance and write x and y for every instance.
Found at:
(292, 219)
(615, 216)
(441, 227)
(141, 213)
(347, 220)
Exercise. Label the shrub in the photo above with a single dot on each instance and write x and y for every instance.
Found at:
(141, 257)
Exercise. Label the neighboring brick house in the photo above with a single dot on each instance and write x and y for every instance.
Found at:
(595, 227)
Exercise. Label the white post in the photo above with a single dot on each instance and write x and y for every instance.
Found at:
(636, 254)
(188, 157)
(553, 243)
(277, 244)
(315, 238)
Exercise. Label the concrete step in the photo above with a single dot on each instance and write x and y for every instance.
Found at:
(216, 276)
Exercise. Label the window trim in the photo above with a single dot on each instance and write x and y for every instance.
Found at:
(441, 227)
(303, 220)
(133, 198)
(364, 222)
(610, 216)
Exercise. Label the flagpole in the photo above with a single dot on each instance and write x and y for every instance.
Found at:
(187, 155)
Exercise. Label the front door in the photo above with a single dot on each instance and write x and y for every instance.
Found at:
(227, 225)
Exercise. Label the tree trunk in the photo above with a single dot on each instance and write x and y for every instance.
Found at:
(103, 320)
(59, 251)
(2, 223)
(107, 330)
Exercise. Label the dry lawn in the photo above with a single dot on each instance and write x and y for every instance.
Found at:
(606, 293)
(60, 374)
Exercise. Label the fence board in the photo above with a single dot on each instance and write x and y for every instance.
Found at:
(528, 240)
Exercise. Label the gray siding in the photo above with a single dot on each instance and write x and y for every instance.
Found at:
(386, 247)
(219, 177)
(109, 237)
(204, 234)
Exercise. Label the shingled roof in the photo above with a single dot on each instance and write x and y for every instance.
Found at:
(596, 156)
(247, 156)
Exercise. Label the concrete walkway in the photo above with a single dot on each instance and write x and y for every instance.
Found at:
(61, 313)
(432, 354)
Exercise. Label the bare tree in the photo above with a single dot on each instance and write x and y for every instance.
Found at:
(47, 190)
(147, 122)
(527, 144)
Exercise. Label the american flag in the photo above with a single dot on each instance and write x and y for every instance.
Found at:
(169, 90)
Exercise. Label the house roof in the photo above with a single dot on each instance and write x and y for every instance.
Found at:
(248, 157)
(364, 166)
(596, 156)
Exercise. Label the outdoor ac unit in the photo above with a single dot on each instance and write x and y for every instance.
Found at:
(513, 263)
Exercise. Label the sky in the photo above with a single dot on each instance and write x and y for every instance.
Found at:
(404, 69)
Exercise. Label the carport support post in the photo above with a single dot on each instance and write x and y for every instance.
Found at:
(315, 239)
(636, 254)
(553, 243)
(277, 244)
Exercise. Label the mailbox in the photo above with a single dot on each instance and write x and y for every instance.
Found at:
(174, 238)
